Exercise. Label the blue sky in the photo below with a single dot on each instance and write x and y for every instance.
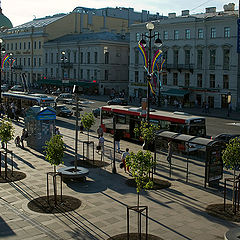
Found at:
(22, 11)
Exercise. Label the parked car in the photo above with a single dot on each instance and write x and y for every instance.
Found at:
(4, 88)
(17, 88)
(225, 137)
(65, 98)
(117, 101)
(63, 111)
(96, 112)
(56, 92)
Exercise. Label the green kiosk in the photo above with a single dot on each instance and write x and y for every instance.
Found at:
(40, 124)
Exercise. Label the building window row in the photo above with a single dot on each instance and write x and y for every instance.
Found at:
(24, 46)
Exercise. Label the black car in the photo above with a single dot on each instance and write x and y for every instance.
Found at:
(63, 111)
(96, 112)
(225, 137)
(118, 101)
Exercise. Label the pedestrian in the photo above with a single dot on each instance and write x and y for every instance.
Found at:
(24, 136)
(117, 138)
(99, 131)
(170, 151)
(123, 158)
(57, 131)
(101, 143)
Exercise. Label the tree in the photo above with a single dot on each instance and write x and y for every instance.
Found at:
(147, 133)
(6, 131)
(140, 166)
(54, 150)
(88, 120)
(231, 158)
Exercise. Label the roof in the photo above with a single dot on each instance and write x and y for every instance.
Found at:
(40, 22)
(4, 21)
(104, 36)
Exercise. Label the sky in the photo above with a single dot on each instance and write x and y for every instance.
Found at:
(22, 11)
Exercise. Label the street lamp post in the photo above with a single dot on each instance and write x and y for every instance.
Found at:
(158, 43)
(229, 99)
(63, 61)
(2, 50)
(11, 58)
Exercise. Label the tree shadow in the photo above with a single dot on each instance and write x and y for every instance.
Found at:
(5, 230)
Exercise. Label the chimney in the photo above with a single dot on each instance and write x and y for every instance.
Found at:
(171, 15)
(229, 7)
(211, 10)
(185, 12)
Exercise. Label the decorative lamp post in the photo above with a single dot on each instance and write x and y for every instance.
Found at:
(157, 43)
(11, 61)
(63, 61)
(229, 99)
(2, 50)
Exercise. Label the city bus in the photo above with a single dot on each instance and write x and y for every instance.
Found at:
(25, 100)
(128, 118)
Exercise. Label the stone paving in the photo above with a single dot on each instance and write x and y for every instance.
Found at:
(174, 213)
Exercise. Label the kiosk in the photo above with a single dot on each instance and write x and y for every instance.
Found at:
(40, 124)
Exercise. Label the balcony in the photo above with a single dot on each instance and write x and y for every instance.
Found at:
(180, 67)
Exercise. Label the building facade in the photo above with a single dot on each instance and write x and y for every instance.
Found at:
(201, 57)
(100, 58)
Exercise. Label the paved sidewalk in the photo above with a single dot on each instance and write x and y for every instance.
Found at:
(174, 213)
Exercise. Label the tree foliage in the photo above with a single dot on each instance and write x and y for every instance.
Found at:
(6, 130)
(140, 165)
(54, 150)
(88, 120)
(147, 131)
(231, 154)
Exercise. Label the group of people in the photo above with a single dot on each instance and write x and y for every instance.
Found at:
(11, 111)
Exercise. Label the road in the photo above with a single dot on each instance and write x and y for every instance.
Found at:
(215, 125)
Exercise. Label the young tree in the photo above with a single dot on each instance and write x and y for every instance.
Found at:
(147, 133)
(6, 131)
(231, 158)
(88, 120)
(54, 150)
(140, 165)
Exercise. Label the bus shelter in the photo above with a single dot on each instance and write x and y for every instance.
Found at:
(209, 152)
(40, 124)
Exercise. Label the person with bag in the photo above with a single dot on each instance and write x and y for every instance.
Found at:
(100, 144)
(123, 158)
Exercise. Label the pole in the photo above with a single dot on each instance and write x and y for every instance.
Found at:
(149, 76)
(76, 133)
(114, 170)
(159, 89)
(0, 72)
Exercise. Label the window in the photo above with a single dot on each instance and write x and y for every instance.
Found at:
(164, 78)
(39, 44)
(137, 37)
(199, 80)
(225, 81)
(187, 79)
(81, 57)
(175, 58)
(200, 33)
(226, 59)
(74, 57)
(24, 45)
(57, 59)
(51, 58)
(95, 57)
(20, 45)
(95, 74)
(136, 57)
(11, 46)
(212, 59)
(176, 34)
(156, 35)
(16, 46)
(74, 73)
(227, 32)
(187, 33)
(35, 44)
(88, 57)
(212, 80)
(88, 74)
(81, 73)
(106, 75)
(46, 58)
(187, 57)
(20, 61)
(39, 62)
(34, 62)
(213, 33)
(165, 35)
(106, 55)
(136, 76)
(24, 61)
(175, 79)
(29, 45)
(51, 73)
(29, 61)
(199, 58)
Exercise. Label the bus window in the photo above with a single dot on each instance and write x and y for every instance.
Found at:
(107, 120)
(178, 128)
(197, 130)
(164, 124)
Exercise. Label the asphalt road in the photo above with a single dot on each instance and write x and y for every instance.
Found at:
(215, 125)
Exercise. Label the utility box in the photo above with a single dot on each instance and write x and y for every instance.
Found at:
(40, 124)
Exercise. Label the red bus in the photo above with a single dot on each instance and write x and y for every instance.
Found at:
(128, 118)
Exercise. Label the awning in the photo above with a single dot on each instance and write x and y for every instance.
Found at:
(175, 92)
